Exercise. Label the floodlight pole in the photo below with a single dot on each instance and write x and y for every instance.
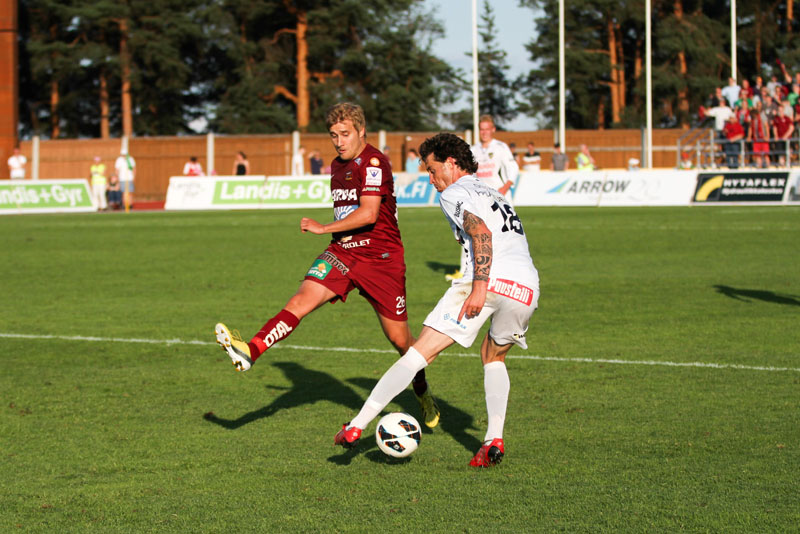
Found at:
(475, 111)
(733, 39)
(649, 83)
(562, 103)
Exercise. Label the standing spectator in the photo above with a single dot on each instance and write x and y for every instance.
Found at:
(742, 100)
(126, 172)
(584, 159)
(759, 136)
(16, 165)
(560, 162)
(747, 88)
(298, 163)
(734, 133)
(114, 193)
(412, 161)
(731, 92)
(97, 178)
(315, 162)
(721, 114)
(241, 166)
(387, 151)
(193, 167)
(531, 160)
(773, 84)
(782, 130)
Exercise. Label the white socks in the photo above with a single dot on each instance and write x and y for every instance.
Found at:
(391, 384)
(497, 385)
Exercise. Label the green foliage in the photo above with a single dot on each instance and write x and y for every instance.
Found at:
(232, 61)
(104, 431)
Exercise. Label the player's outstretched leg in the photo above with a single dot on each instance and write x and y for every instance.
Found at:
(236, 348)
(347, 437)
(490, 453)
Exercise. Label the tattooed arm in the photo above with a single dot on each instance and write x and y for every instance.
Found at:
(482, 248)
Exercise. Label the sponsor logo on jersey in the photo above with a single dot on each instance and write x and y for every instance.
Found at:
(319, 269)
(278, 332)
(338, 195)
(374, 162)
(340, 212)
(358, 161)
(512, 290)
(454, 319)
(347, 242)
(372, 189)
(458, 208)
(334, 261)
(374, 176)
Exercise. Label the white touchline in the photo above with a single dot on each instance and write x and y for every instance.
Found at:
(707, 365)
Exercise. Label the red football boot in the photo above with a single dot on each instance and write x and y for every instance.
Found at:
(347, 438)
(489, 454)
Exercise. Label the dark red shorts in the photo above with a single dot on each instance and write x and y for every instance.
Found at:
(381, 282)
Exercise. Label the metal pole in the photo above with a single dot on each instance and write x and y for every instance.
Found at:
(562, 104)
(475, 111)
(733, 39)
(649, 88)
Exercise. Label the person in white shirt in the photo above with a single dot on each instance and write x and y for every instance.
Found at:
(126, 172)
(501, 283)
(16, 165)
(298, 164)
(497, 168)
(731, 91)
(193, 167)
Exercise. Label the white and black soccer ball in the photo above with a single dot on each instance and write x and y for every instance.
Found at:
(398, 434)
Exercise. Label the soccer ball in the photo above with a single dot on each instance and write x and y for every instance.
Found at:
(398, 434)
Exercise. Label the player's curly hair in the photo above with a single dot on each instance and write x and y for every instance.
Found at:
(344, 111)
(446, 145)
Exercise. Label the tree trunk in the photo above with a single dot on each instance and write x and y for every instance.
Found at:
(601, 114)
(612, 59)
(55, 129)
(789, 16)
(683, 92)
(104, 128)
(303, 100)
(125, 75)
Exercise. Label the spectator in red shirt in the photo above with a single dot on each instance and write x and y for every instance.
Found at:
(759, 136)
(782, 130)
(734, 133)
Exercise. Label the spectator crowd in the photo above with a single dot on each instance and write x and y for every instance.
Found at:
(756, 123)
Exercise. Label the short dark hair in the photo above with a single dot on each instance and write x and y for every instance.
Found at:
(446, 145)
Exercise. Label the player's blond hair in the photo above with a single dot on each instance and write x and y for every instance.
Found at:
(346, 111)
(486, 118)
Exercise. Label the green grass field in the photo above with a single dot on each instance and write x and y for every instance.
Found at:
(660, 391)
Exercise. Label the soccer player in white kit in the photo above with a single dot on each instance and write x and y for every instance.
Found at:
(500, 283)
(497, 168)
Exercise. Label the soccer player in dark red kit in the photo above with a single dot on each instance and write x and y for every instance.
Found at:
(366, 253)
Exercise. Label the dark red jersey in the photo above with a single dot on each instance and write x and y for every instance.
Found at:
(368, 174)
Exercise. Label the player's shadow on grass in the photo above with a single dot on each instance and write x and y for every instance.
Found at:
(453, 421)
(445, 268)
(308, 386)
(747, 295)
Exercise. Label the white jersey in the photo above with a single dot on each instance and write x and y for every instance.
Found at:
(125, 166)
(496, 164)
(511, 259)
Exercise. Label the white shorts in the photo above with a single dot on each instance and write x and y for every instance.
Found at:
(510, 317)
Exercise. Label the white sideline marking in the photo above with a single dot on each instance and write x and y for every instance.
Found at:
(388, 351)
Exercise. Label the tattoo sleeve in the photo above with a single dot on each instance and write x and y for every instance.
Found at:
(481, 245)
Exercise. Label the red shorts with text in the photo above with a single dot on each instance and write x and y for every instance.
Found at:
(381, 282)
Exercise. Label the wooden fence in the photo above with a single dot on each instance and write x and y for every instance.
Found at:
(158, 158)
